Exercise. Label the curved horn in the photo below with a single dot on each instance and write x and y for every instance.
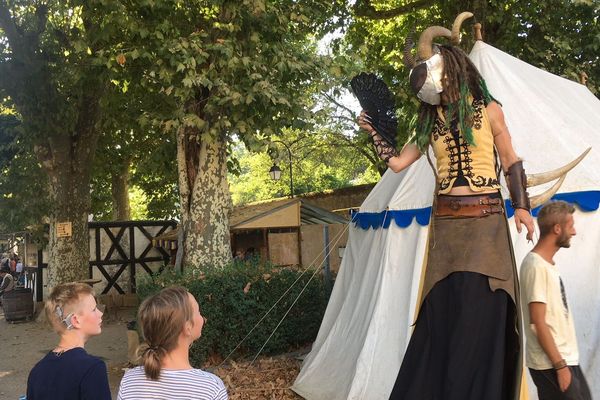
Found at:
(540, 199)
(544, 177)
(425, 49)
(407, 58)
(456, 26)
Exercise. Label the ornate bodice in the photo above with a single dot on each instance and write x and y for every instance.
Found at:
(459, 160)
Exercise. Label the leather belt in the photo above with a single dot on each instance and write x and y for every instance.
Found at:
(468, 206)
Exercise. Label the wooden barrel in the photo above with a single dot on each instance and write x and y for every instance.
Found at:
(18, 304)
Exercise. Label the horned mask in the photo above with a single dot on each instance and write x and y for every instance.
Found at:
(427, 72)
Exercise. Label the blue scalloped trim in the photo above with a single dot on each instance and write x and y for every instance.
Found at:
(402, 218)
(587, 201)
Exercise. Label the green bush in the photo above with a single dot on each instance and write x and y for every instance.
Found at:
(232, 312)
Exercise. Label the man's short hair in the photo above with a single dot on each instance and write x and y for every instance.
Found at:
(551, 214)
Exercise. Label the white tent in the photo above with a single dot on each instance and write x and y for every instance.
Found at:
(367, 325)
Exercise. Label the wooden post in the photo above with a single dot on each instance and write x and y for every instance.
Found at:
(477, 29)
(266, 242)
(39, 278)
(299, 237)
(132, 288)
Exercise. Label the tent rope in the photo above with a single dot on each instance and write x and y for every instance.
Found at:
(313, 263)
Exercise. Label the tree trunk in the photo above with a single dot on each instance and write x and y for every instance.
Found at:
(69, 187)
(120, 193)
(67, 158)
(205, 200)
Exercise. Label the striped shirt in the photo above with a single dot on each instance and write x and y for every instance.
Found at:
(187, 384)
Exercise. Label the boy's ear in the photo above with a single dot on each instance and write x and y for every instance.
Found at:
(73, 321)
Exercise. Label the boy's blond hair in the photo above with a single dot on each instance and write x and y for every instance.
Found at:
(62, 304)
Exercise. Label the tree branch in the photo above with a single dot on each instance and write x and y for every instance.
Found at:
(9, 26)
(368, 155)
(41, 14)
(331, 99)
(364, 8)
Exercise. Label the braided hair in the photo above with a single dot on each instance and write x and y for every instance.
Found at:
(460, 82)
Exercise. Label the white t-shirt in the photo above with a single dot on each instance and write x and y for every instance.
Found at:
(540, 282)
(187, 384)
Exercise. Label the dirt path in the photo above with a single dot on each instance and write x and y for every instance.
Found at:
(25, 343)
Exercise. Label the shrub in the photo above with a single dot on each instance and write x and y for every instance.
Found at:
(234, 299)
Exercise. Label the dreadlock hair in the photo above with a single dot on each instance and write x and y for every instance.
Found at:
(461, 79)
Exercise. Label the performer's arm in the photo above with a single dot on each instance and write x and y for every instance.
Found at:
(537, 316)
(394, 160)
(509, 160)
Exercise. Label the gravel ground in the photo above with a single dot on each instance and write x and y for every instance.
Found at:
(25, 343)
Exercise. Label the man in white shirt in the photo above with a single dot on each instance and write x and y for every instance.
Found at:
(551, 354)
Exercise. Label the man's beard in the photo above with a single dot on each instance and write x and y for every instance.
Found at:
(564, 241)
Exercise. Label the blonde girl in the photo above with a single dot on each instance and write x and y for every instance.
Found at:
(170, 322)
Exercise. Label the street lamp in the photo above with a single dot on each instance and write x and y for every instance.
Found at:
(275, 171)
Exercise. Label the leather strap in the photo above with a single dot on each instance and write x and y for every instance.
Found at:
(468, 206)
(517, 186)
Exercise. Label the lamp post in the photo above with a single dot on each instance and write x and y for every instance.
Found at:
(275, 171)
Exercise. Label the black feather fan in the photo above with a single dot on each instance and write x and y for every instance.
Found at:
(377, 100)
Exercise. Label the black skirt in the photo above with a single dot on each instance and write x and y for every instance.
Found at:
(464, 346)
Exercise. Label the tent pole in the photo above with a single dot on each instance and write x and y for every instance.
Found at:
(327, 267)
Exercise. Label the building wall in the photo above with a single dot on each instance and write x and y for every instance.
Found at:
(340, 198)
(313, 244)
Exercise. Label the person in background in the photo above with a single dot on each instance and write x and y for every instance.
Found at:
(13, 264)
(8, 283)
(239, 255)
(68, 372)
(552, 354)
(170, 322)
(19, 272)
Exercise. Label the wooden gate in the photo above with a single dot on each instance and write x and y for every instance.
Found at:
(127, 247)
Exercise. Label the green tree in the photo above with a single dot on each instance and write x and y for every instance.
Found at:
(23, 186)
(561, 36)
(318, 165)
(134, 161)
(55, 62)
(219, 69)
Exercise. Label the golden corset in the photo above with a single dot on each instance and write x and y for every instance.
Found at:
(456, 157)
